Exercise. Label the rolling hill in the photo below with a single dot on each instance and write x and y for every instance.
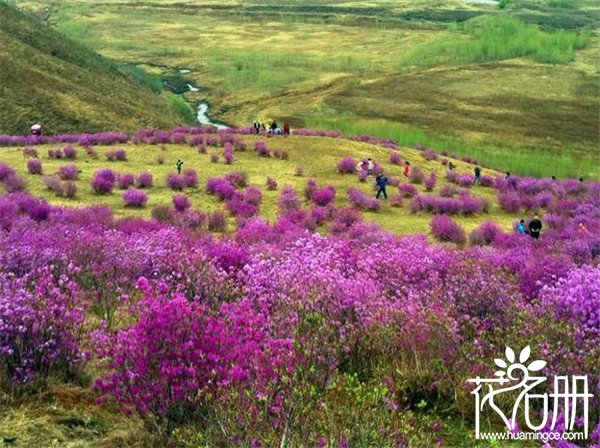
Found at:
(48, 78)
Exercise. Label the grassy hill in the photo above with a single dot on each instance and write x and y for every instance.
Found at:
(50, 79)
(513, 85)
(318, 157)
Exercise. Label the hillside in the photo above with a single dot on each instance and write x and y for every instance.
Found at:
(207, 300)
(48, 78)
(513, 86)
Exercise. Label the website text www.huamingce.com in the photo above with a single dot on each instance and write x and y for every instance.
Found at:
(544, 437)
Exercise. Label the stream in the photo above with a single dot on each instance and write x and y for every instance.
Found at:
(202, 116)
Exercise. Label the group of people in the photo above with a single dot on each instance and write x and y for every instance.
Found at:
(367, 166)
(534, 228)
(273, 128)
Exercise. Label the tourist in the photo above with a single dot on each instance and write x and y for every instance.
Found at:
(286, 129)
(581, 229)
(256, 126)
(521, 229)
(507, 174)
(179, 164)
(535, 227)
(363, 165)
(273, 127)
(370, 167)
(263, 128)
(381, 182)
(451, 166)
(406, 169)
(36, 130)
(477, 175)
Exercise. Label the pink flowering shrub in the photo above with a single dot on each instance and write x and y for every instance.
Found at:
(68, 172)
(395, 158)
(362, 201)
(145, 180)
(408, 190)
(288, 200)
(55, 154)
(446, 229)
(271, 184)
(69, 152)
(449, 191)
(464, 204)
(217, 222)
(347, 165)
(220, 187)
(103, 181)
(222, 352)
(464, 180)
(176, 181)
(228, 155)
(135, 198)
(261, 149)
(41, 325)
(430, 181)
(13, 183)
(486, 180)
(190, 178)
(323, 196)
(396, 200)
(429, 155)
(417, 176)
(114, 155)
(30, 152)
(181, 202)
(34, 166)
(485, 234)
(238, 179)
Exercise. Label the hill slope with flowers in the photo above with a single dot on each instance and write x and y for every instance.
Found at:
(210, 326)
(321, 159)
(50, 79)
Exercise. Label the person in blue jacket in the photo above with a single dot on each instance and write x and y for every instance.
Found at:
(521, 227)
(382, 182)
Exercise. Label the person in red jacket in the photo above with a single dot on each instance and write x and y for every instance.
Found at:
(286, 129)
(406, 169)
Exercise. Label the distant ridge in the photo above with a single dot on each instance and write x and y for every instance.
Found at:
(47, 78)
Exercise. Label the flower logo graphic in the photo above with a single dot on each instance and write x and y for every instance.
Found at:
(520, 376)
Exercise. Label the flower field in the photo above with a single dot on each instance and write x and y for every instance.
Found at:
(239, 304)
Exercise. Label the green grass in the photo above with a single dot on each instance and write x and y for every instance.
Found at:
(527, 162)
(302, 151)
(497, 38)
(184, 109)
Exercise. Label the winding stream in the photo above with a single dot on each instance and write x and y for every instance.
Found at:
(202, 116)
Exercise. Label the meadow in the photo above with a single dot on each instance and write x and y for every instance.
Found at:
(512, 86)
(257, 312)
(317, 156)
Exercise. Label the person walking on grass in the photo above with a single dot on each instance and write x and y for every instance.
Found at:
(535, 227)
(381, 182)
(256, 126)
(406, 169)
(477, 175)
(179, 165)
(521, 229)
(286, 129)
